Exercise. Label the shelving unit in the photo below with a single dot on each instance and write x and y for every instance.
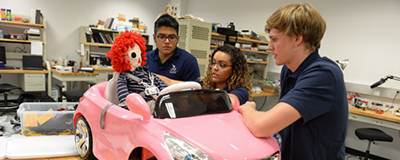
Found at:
(11, 26)
(260, 54)
(30, 81)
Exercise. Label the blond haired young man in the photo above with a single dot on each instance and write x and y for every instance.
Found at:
(311, 115)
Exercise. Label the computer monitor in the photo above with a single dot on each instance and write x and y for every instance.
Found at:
(3, 55)
(3, 58)
(32, 62)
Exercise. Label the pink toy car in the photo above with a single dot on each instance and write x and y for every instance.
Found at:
(190, 124)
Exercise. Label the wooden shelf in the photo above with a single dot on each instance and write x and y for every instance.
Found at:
(243, 50)
(103, 69)
(262, 94)
(257, 62)
(109, 30)
(240, 39)
(15, 41)
(103, 30)
(22, 24)
(74, 74)
(23, 71)
(97, 44)
(252, 51)
(385, 116)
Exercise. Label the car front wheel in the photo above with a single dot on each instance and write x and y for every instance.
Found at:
(83, 139)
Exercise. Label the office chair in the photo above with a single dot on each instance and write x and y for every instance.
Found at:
(372, 134)
(5, 88)
(71, 96)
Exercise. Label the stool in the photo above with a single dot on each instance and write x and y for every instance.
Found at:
(4, 88)
(372, 134)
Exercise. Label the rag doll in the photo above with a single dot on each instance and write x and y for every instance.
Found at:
(128, 55)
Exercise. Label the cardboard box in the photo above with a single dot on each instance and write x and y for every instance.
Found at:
(42, 118)
(269, 88)
(135, 22)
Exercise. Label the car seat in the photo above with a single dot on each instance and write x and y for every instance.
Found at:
(111, 89)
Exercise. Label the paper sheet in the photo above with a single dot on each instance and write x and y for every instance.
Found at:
(37, 48)
(82, 49)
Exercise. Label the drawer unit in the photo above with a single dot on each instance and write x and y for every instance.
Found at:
(33, 82)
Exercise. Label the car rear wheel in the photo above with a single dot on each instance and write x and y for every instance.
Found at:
(83, 139)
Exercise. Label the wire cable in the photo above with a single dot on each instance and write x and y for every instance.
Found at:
(392, 106)
(254, 72)
(265, 99)
(20, 49)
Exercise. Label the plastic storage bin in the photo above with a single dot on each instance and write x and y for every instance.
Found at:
(46, 118)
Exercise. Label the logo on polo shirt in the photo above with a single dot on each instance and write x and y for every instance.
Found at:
(173, 70)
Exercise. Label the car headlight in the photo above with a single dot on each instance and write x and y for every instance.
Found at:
(181, 150)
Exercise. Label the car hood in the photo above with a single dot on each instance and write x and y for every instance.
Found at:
(223, 135)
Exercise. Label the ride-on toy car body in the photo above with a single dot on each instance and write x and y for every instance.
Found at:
(195, 124)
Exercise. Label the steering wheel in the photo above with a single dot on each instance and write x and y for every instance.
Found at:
(180, 87)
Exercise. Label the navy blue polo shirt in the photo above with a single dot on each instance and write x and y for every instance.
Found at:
(317, 90)
(180, 66)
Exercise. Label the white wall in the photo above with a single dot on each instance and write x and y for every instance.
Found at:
(65, 17)
(365, 31)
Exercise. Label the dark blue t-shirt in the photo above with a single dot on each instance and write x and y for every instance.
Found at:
(180, 66)
(317, 90)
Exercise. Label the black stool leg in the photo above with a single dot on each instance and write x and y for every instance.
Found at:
(367, 151)
(5, 100)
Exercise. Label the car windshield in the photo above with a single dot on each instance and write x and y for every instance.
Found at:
(192, 103)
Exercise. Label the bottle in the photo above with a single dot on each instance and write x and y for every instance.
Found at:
(75, 67)
(98, 62)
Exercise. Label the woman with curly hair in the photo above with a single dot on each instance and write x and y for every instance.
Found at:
(227, 70)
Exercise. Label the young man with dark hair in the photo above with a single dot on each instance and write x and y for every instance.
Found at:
(169, 60)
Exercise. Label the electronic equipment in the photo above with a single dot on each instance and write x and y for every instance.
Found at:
(383, 80)
(18, 36)
(83, 69)
(63, 69)
(3, 58)
(103, 59)
(30, 62)
(195, 38)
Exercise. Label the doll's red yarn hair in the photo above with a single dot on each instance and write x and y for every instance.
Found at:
(121, 46)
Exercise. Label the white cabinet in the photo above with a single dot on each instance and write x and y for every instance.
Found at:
(33, 82)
